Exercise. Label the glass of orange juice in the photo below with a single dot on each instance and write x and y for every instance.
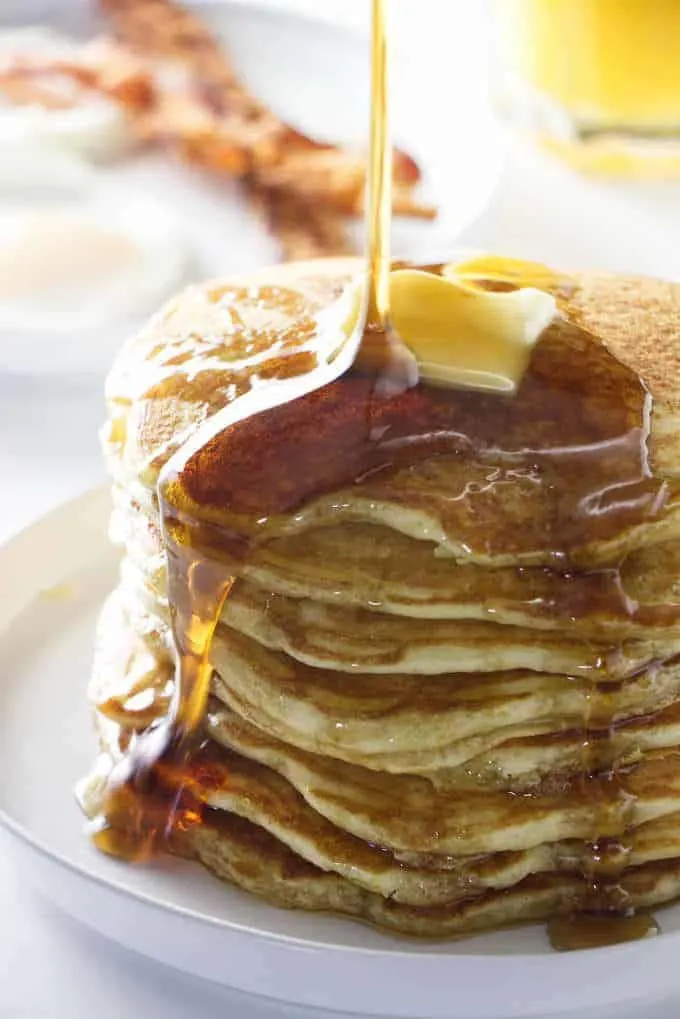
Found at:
(596, 80)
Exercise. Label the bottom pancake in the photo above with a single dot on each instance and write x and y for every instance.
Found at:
(233, 786)
(484, 893)
(245, 855)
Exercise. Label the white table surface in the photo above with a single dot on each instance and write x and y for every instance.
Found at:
(50, 967)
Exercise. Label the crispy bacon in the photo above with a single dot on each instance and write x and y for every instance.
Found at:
(176, 83)
(304, 189)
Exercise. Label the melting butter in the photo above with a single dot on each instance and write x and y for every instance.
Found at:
(461, 335)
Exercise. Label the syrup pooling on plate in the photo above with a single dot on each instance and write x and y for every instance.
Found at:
(575, 432)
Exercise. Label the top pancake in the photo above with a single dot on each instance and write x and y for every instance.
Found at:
(203, 350)
(506, 501)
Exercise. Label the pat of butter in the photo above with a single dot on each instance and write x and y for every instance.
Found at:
(465, 337)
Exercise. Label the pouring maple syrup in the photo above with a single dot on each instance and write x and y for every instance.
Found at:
(579, 422)
(381, 350)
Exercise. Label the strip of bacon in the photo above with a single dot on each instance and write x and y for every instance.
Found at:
(303, 188)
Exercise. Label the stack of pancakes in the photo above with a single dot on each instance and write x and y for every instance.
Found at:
(409, 723)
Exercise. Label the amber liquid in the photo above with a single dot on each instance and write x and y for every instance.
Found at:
(380, 176)
(577, 426)
(381, 352)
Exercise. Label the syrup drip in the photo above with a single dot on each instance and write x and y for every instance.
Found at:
(578, 426)
(380, 177)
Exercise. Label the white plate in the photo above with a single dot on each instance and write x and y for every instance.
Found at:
(315, 74)
(176, 912)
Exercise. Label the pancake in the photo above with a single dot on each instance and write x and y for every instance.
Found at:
(133, 663)
(638, 320)
(385, 570)
(479, 893)
(353, 639)
(173, 374)
(446, 678)
(522, 762)
(237, 786)
(250, 858)
(347, 639)
(405, 723)
(171, 377)
(453, 729)
(362, 802)
(375, 869)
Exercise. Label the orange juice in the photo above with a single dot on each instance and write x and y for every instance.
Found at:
(604, 60)
(600, 66)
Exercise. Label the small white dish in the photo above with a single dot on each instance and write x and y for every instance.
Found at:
(56, 575)
(83, 261)
(78, 259)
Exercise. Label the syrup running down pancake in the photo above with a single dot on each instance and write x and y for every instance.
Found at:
(461, 603)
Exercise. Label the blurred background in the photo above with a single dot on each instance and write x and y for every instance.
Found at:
(145, 144)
